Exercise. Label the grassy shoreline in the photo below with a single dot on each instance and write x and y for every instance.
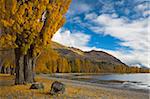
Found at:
(73, 91)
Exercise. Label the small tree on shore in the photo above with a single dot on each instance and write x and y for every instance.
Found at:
(27, 26)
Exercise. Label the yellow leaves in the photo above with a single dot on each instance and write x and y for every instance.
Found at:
(8, 37)
(10, 7)
(17, 29)
(44, 2)
(21, 10)
(7, 41)
(36, 51)
(39, 26)
(2, 5)
(17, 17)
(24, 49)
(6, 63)
(30, 5)
(41, 7)
(47, 61)
(14, 5)
(49, 7)
(7, 23)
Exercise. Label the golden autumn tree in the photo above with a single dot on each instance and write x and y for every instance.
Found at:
(78, 65)
(47, 61)
(27, 26)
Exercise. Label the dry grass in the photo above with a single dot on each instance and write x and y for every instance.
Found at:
(6, 77)
(23, 91)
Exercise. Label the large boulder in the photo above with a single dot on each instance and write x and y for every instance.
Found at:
(57, 88)
(37, 86)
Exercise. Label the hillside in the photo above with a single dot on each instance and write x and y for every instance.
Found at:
(95, 56)
(69, 59)
(59, 58)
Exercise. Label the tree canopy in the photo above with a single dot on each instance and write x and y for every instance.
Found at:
(30, 24)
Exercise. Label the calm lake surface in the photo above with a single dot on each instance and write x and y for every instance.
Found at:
(139, 77)
(139, 80)
(136, 80)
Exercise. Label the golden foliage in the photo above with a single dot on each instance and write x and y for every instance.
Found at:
(30, 24)
(50, 62)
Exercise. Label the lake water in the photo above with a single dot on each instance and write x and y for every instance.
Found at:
(135, 81)
(138, 80)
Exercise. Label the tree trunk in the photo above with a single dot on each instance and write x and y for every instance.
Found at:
(24, 68)
(33, 67)
(28, 69)
(0, 69)
(12, 71)
(19, 67)
(5, 70)
(8, 70)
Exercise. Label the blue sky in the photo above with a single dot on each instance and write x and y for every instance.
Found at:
(119, 27)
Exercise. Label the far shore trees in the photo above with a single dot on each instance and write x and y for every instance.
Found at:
(27, 26)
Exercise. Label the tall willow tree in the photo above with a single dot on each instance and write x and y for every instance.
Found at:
(28, 26)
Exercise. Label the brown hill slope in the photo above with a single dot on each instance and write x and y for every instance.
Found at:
(96, 56)
(92, 61)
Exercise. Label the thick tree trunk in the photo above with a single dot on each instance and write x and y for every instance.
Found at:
(19, 67)
(24, 68)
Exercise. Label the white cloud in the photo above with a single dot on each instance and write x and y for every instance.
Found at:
(143, 9)
(146, 13)
(78, 40)
(90, 16)
(134, 34)
(134, 58)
